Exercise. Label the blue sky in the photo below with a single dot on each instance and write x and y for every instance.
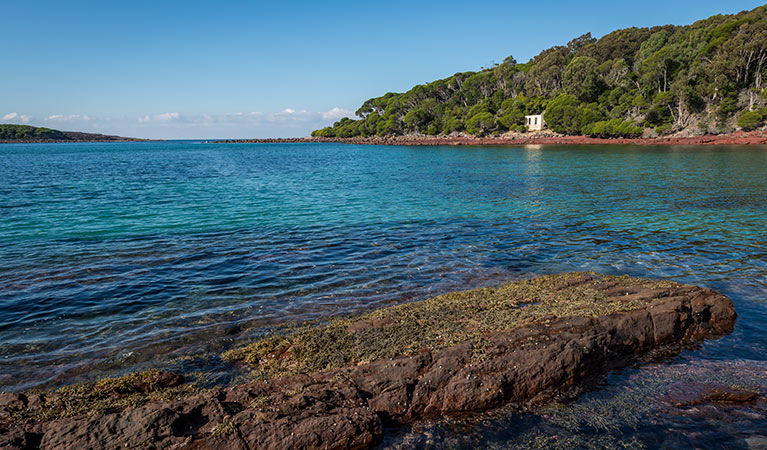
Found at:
(173, 69)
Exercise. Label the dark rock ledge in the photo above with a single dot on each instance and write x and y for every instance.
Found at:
(557, 332)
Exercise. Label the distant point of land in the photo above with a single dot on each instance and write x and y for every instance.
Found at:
(28, 134)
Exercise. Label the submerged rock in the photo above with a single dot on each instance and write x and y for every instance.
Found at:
(337, 386)
(688, 394)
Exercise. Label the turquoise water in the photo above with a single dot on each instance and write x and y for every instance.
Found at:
(123, 255)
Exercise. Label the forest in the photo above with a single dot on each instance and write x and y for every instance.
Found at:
(706, 78)
(29, 133)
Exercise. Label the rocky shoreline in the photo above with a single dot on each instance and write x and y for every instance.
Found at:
(520, 343)
(758, 137)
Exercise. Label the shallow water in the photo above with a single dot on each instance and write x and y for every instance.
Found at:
(123, 255)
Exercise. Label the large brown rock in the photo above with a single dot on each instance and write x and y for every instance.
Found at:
(348, 407)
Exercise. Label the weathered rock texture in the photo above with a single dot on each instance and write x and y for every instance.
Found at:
(348, 407)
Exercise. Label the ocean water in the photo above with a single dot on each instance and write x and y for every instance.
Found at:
(120, 256)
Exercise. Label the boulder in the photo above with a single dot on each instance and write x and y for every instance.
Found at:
(577, 327)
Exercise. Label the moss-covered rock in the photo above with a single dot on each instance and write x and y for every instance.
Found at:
(99, 397)
(464, 352)
(439, 322)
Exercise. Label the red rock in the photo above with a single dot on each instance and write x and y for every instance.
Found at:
(161, 379)
(688, 394)
(347, 408)
(539, 138)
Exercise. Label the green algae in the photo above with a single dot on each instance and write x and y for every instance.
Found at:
(438, 322)
(304, 347)
(103, 396)
(228, 426)
(261, 401)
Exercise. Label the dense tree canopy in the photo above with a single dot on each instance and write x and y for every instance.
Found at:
(28, 133)
(704, 76)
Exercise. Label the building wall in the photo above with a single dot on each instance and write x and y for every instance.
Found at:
(534, 123)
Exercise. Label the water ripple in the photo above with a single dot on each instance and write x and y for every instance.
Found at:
(123, 255)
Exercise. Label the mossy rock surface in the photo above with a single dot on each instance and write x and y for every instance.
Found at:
(103, 396)
(441, 321)
(521, 343)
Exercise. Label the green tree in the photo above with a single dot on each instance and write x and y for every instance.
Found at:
(562, 114)
(418, 119)
(666, 77)
(581, 79)
(481, 123)
(657, 69)
(588, 113)
(452, 124)
(651, 46)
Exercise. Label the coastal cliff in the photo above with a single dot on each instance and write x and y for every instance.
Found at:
(340, 385)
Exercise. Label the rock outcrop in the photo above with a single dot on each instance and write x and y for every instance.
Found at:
(758, 137)
(349, 407)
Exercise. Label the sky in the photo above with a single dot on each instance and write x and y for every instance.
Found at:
(169, 69)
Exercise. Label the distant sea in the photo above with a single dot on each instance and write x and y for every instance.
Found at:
(121, 256)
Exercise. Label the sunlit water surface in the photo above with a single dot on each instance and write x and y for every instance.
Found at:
(121, 256)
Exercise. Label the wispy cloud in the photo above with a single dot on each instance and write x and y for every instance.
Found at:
(336, 113)
(16, 117)
(289, 122)
(67, 118)
(160, 118)
(240, 118)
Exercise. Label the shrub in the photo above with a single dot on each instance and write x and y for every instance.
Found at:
(589, 113)
(519, 128)
(751, 120)
(512, 118)
(325, 132)
(657, 115)
(727, 108)
(387, 127)
(614, 128)
(451, 125)
(562, 114)
(480, 123)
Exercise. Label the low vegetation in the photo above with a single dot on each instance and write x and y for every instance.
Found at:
(750, 120)
(664, 78)
(106, 395)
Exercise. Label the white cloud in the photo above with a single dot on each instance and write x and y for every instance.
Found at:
(311, 116)
(286, 117)
(17, 117)
(67, 118)
(336, 113)
(161, 118)
(289, 122)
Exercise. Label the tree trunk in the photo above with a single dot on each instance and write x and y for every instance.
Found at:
(673, 117)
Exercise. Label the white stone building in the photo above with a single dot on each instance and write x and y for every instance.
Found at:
(535, 122)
